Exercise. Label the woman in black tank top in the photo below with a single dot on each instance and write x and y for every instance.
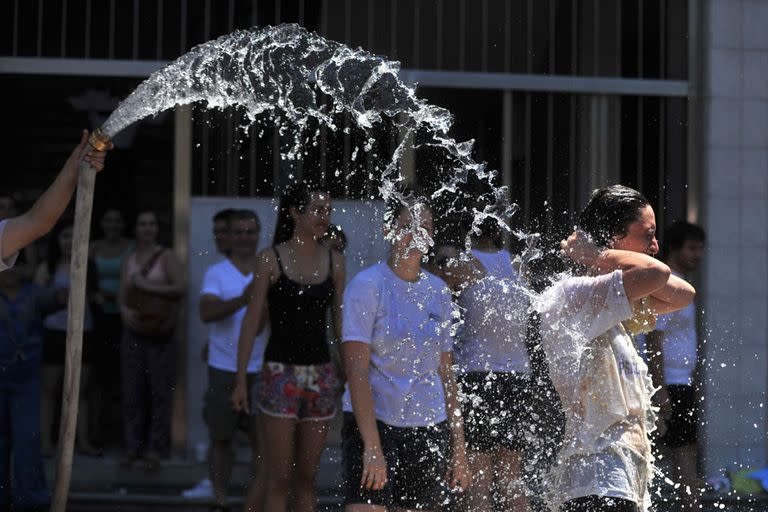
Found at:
(297, 280)
(297, 314)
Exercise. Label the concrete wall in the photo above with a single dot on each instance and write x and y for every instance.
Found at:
(361, 223)
(735, 57)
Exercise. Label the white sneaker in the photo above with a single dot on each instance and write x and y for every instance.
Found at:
(203, 489)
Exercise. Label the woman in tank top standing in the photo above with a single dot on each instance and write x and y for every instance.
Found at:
(147, 351)
(299, 280)
(108, 254)
(493, 367)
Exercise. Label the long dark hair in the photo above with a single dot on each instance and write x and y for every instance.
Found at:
(297, 195)
(610, 211)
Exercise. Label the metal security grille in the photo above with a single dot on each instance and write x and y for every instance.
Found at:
(610, 38)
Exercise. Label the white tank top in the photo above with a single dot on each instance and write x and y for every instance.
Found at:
(495, 314)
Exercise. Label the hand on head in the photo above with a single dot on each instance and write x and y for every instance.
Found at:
(580, 248)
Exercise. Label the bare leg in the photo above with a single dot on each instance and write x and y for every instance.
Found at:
(51, 381)
(254, 500)
(310, 443)
(220, 468)
(479, 497)
(279, 434)
(508, 469)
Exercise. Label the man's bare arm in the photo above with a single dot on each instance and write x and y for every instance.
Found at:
(26, 228)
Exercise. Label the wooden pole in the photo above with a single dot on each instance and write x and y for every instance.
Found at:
(75, 315)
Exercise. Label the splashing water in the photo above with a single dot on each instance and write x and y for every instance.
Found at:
(280, 71)
(299, 79)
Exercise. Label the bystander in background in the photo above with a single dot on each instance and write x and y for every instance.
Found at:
(672, 352)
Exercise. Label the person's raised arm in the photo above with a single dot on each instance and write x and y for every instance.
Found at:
(22, 230)
(642, 274)
(676, 294)
(249, 328)
(357, 360)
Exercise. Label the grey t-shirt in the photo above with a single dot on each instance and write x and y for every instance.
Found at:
(6, 264)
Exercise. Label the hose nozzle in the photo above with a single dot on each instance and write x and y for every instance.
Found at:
(99, 140)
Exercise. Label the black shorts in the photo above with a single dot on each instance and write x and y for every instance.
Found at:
(417, 461)
(55, 347)
(496, 409)
(222, 419)
(681, 426)
(599, 504)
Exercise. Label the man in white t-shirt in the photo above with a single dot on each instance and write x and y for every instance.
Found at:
(672, 350)
(18, 232)
(224, 296)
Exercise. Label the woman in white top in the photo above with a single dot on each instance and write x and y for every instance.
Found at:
(402, 438)
(604, 386)
(493, 366)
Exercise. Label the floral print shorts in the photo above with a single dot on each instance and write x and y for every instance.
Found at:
(302, 392)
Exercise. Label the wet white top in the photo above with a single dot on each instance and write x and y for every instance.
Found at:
(4, 265)
(225, 281)
(495, 314)
(605, 389)
(408, 326)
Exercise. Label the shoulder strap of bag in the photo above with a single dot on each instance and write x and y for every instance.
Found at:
(151, 262)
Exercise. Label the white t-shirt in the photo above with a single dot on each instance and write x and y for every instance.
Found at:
(5, 265)
(604, 387)
(226, 282)
(679, 345)
(495, 314)
(408, 326)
